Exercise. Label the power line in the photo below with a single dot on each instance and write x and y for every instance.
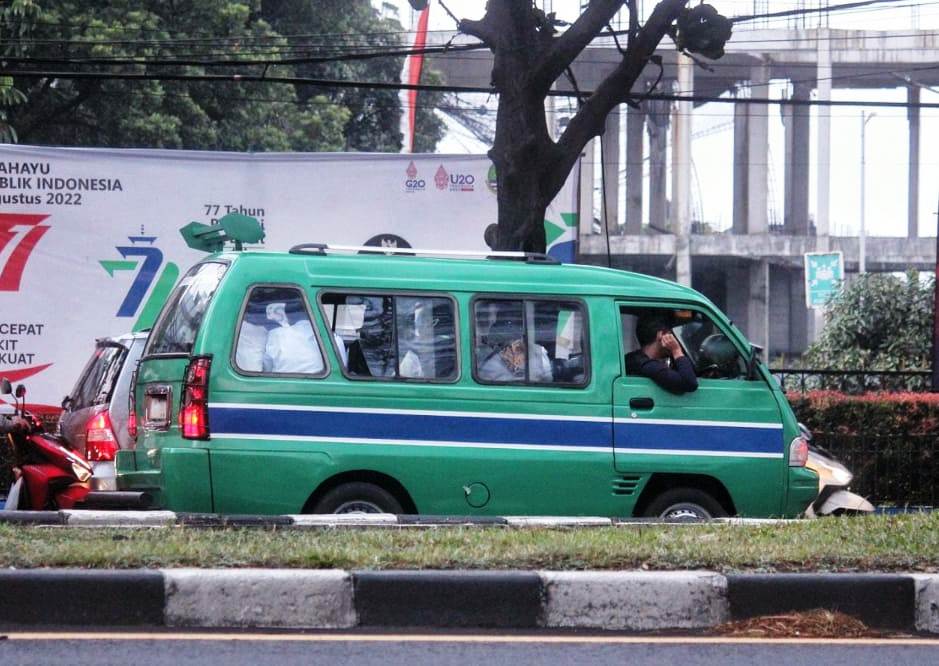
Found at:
(814, 10)
(308, 60)
(381, 85)
(242, 40)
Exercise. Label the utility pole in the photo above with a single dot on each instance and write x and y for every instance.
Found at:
(935, 314)
(862, 235)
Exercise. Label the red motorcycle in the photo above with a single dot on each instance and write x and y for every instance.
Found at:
(47, 475)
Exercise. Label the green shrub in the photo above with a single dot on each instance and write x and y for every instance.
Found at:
(890, 441)
(877, 322)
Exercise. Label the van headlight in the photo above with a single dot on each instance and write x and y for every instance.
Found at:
(798, 452)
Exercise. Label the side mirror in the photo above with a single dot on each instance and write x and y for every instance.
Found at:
(20, 391)
(66, 401)
(756, 353)
(5, 388)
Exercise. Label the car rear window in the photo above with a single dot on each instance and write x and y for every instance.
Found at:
(175, 332)
(97, 379)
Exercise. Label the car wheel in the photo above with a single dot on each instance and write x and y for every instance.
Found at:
(685, 504)
(358, 497)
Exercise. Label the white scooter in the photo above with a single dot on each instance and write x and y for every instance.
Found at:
(834, 498)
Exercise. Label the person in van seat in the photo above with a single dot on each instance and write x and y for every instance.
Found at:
(657, 346)
(291, 348)
(503, 357)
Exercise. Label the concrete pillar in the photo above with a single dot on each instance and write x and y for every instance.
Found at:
(780, 322)
(741, 154)
(681, 172)
(758, 152)
(797, 124)
(610, 165)
(798, 313)
(657, 126)
(586, 189)
(758, 305)
(912, 197)
(736, 277)
(823, 149)
(635, 120)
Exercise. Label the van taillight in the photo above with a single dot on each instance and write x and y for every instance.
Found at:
(100, 442)
(194, 408)
(132, 407)
(132, 423)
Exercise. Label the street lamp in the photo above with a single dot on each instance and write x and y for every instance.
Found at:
(862, 234)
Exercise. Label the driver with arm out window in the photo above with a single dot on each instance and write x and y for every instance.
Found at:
(657, 345)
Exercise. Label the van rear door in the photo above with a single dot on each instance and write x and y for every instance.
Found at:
(170, 344)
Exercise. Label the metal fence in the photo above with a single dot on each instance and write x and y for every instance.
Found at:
(853, 382)
(888, 470)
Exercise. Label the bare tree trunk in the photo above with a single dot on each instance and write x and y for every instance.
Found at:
(528, 56)
(520, 152)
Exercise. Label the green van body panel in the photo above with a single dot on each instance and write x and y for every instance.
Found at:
(278, 473)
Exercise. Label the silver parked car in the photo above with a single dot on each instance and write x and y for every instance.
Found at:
(94, 414)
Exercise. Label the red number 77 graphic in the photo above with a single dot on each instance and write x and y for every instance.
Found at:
(29, 230)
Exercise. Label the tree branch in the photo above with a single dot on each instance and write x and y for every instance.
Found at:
(633, 19)
(572, 41)
(590, 120)
(80, 97)
(481, 30)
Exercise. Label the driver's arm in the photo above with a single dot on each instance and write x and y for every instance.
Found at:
(680, 379)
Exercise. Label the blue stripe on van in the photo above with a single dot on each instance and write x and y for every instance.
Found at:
(698, 437)
(405, 427)
(401, 426)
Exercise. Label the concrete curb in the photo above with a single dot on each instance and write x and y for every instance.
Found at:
(92, 518)
(335, 599)
(635, 600)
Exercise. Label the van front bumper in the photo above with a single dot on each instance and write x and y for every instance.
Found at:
(803, 489)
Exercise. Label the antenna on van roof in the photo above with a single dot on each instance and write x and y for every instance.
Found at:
(234, 227)
(323, 248)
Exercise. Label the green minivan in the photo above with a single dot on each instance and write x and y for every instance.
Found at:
(328, 381)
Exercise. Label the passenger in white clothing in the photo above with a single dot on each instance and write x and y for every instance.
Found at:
(291, 348)
(503, 357)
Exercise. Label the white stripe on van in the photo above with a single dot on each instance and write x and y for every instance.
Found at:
(411, 442)
(488, 445)
(406, 412)
(693, 452)
(713, 424)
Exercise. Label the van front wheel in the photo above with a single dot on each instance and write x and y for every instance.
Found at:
(685, 504)
(358, 497)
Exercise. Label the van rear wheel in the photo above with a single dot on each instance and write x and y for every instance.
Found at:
(358, 497)
(685, 504)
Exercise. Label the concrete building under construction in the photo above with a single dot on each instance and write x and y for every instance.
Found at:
(753, 270)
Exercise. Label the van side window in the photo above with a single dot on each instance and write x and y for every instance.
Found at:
(713, 354)
(530, 341)
(394, 337)
(175, 332)
(275, 335)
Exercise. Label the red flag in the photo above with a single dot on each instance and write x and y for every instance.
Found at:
(413, 65)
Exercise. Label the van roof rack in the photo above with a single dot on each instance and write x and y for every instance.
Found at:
(323, 248)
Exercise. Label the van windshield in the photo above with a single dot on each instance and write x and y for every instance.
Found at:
(175, 332)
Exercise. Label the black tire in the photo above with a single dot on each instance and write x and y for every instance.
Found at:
(685, 504)
(358, 497)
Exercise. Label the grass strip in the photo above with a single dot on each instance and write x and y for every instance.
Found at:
(870, 543)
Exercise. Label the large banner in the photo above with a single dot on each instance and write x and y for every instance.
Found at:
(90, 243)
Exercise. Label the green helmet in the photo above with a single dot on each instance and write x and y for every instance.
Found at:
(718, 351)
